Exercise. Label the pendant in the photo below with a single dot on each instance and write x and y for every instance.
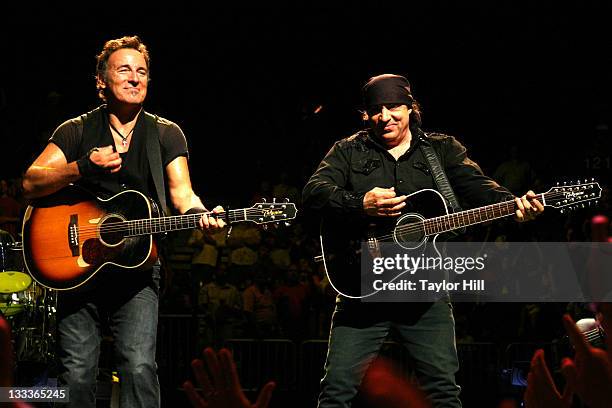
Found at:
(124, 142)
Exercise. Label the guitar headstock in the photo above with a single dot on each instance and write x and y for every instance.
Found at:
(266, 212)
(571, 196)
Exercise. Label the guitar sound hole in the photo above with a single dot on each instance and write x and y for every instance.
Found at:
(111, 233)
(409, 231)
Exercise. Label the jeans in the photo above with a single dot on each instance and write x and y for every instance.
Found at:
(358, 331)
(129, 303)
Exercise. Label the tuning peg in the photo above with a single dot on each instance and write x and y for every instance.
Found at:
(265, 227)
(287, 200)
(274, 200)
(287, 224)
(264, 200)
(562, 211)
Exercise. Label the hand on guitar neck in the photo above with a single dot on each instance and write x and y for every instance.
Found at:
(209, 220)
(528, 207)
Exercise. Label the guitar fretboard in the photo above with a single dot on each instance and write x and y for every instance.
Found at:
(181, 222)
(474, 216)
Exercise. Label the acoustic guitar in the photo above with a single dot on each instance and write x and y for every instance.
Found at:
(424, 219)
(71, 235)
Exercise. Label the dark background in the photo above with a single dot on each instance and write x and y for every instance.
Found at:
(244, 83)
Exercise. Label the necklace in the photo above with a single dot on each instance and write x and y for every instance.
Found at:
(124, 139)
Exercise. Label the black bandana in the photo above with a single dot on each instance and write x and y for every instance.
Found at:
(387, 89)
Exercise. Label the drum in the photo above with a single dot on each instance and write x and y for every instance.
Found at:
(34, 329)
(12, 277)
(14, 303)
(9, 306)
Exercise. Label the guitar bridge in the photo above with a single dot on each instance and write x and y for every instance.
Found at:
(73, 234)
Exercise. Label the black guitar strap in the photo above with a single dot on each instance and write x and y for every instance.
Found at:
(155, 160)
(437, 171)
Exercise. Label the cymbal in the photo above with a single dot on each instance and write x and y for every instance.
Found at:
(13, 281)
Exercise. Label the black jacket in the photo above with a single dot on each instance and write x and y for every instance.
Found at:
(357, 164)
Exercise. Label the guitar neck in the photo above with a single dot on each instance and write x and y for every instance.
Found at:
(450, 222)
(148, 226)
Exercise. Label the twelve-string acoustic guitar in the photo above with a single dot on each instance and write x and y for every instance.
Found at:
(425, 217)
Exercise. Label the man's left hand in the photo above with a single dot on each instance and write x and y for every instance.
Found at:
(212, 223)
(528, 207)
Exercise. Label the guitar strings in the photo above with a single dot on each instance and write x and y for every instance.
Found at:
(166, 221)
(158, 222)
(151, 223)
(438, 221)
(432, 223)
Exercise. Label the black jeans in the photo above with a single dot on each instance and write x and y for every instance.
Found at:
(358, 332)
(130, 303)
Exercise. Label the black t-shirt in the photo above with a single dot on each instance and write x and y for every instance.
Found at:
(135, 173)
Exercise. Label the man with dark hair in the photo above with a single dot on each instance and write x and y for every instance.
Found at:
(106, 151)
(368, 176)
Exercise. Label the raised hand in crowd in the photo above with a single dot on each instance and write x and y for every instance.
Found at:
(541, 389)
(384, 387)
(590, 372)
(218, 377)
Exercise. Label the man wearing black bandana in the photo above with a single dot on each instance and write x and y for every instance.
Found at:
(106, 152)
(370, 175)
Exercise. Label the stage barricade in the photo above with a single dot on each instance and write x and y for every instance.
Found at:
(486, 369)
(175, 349)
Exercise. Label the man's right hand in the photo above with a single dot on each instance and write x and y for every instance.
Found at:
(383, 202)
(107, 159)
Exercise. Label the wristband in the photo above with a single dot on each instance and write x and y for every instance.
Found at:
(87, 168)
(195, 210)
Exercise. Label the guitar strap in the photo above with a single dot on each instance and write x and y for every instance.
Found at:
(439, 176)
(155, 160)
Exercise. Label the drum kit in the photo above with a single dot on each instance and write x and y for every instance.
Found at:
(29, 307)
